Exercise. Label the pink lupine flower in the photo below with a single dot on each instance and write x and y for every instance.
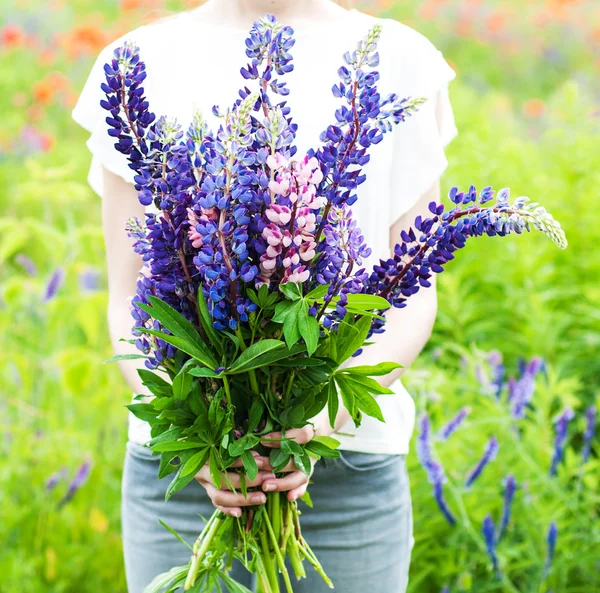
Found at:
(280, 187)
(278, 214)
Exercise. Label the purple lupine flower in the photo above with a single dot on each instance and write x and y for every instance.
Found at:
(561, 423)
(418, 256)
(434, 469)
(55, 478)
(498, 371)
(510, 487)
(89, 279)
(551, 541)
(489, 534)
(54, 284)
(81, 476)
(521, 390)
(454, 424)
(27, 264)
(489, 454)
(590, 416)
(446, 589)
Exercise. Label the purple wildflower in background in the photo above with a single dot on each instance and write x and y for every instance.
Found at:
(489, 534)
(521, 391)
(55, 478)
(454, 424)
(81, 476)
(562, 424)
(54, 284)
(446, 589)
(590, 415)
(89, 279)
(434, 469)
(27, 264)
(510, 487)
(498, 370)
(489, 454)
(551, 540)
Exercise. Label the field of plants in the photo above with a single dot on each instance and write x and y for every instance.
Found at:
(504, 466)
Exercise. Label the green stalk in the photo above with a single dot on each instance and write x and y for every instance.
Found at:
(294, 555)
(227, 389)
(268, 562)
(280, 561)
(251, 373)
(275, 511)
(288, 387)
(309, 555)
(263, 586)
(199, 550)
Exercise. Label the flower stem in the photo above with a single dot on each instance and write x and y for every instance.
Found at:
(201, 546)
(280, 561)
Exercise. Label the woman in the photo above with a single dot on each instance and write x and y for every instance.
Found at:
(361, 524)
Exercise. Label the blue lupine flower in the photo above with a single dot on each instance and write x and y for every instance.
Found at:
(489, 534)
(454, 424)
(562, 424)
(89, 279)
(489, 454)
(54, 284)
(510, 487)
(521, 390)
(434, 469)
(26, 263)
(55, 478)
(590, 415)
(551, 541)
(446, 589)
(81, 476)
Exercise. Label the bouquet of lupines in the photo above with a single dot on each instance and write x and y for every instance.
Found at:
(253, 294)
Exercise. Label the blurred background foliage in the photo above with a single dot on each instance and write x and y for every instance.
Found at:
(527, 106)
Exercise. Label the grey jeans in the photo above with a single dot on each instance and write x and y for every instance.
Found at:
(360, 527)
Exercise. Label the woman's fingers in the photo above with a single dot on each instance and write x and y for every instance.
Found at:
(293, 483)
(300, 435)
(227, 499)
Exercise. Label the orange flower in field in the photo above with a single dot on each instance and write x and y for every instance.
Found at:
(34, 113)
(48, 142)
(495, 22)
(126, 5)
(534, 108)
(84, 39)
(47, 57)
(58, 80)
(12, 36)
(43, 92)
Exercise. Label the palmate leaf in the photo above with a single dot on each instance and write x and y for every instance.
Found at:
(383, 368)
(333, 402)
(156, 384)
(367, 383)
(206, 321)
(350, 338)
(248, 358)
(182, 385)
(362, 302)
(200, 354)
(250, 465)
(195, 462)
(178, 325)
(146, 412)
(308, 326)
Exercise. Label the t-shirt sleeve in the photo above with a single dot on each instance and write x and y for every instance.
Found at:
(419, 158)
(89, 114)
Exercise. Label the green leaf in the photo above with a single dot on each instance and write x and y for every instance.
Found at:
(292, 290)
(347, 394)
(203, 372)
(282, 310)
(178, 483)
(200, 354)
(178, 445)
(145, 412)
(155, 383)
(166, 467)
(333, 403)
(363, 302)
(306, 499)
(367, 404)
(356, 335)
(255, 415)
(317, 293)
(195, 462)
(383, 368)
(291, 447)
(123, 357)
(327, 441)
(302, 461)
(278, 459)
(182, 385)
(247, 359)
(207, 321)
(321, 450)
(301, 361)
(369, 384)
(172, 434)
(215, 469)
(308, 327)
(171, 530)
(249, 465)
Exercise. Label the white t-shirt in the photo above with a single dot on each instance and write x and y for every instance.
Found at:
(191, 63)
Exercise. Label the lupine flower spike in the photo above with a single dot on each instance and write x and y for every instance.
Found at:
(590, 416)
(562, 424)
(510, 487)
(489, 454)
(434, 469)
(453, 425)
(489, 534)
(551, 541)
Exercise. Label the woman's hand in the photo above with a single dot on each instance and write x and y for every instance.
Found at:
(227, 501)
(296, 481)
